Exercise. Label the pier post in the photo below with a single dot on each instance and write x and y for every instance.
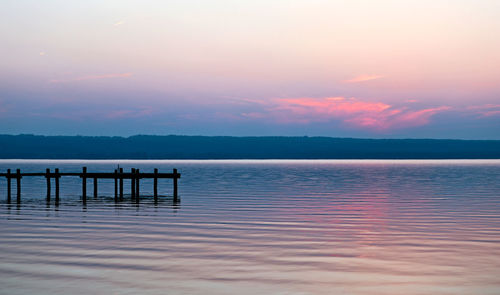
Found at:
(8, 185)
(56, 178)
(137, 173)
(132, 184)
(175, 184)
(116, 185)
(84, 185)
(47, 176)
(121, 184)
(18, 178)
(95, 187)
(155, 184)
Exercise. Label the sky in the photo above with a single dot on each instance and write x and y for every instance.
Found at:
(357, 68)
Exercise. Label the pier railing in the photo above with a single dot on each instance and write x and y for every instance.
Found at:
(118, 175)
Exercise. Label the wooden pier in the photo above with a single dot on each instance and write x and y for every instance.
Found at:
(118, 175)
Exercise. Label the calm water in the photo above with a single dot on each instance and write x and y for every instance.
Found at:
(260, 227)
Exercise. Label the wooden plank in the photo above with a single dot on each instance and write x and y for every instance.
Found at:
(99, 175)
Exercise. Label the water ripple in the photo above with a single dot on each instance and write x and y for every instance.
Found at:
(260, 227)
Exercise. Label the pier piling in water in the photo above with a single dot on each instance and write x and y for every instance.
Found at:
(56, 179)
(8, 186)
(137, 185)
(175, 183)
(47, 176)
(18, 180)
(121, 184)
(155, 184)
(132, 183)
(84, 185)
(116, 185)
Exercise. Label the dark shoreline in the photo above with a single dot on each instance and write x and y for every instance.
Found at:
(224, 147)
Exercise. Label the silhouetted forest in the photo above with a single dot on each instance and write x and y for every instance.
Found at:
(226, 147)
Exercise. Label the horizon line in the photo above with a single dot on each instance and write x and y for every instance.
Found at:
(253, 136)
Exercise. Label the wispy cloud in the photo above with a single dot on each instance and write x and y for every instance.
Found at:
(102, 114)
(491, 113)
(352, 112)
(92, 77)
(363, 78)
(395, 118)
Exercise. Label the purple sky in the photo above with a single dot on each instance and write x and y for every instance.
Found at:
(356, 68)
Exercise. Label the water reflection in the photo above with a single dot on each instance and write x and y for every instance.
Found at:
(266, 229)
(100, 202)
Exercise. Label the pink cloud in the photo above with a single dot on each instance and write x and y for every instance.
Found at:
(395, 118)
(363, 78)
(93, 77)
(331, 106)
(350, 111)
(491, 113)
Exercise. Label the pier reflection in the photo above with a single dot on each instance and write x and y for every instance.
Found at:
(145, 202)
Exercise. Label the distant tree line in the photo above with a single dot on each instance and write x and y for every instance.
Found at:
(227, 147)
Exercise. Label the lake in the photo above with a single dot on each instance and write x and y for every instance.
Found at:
(259, 227)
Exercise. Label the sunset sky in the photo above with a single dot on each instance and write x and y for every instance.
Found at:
(357, 68)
